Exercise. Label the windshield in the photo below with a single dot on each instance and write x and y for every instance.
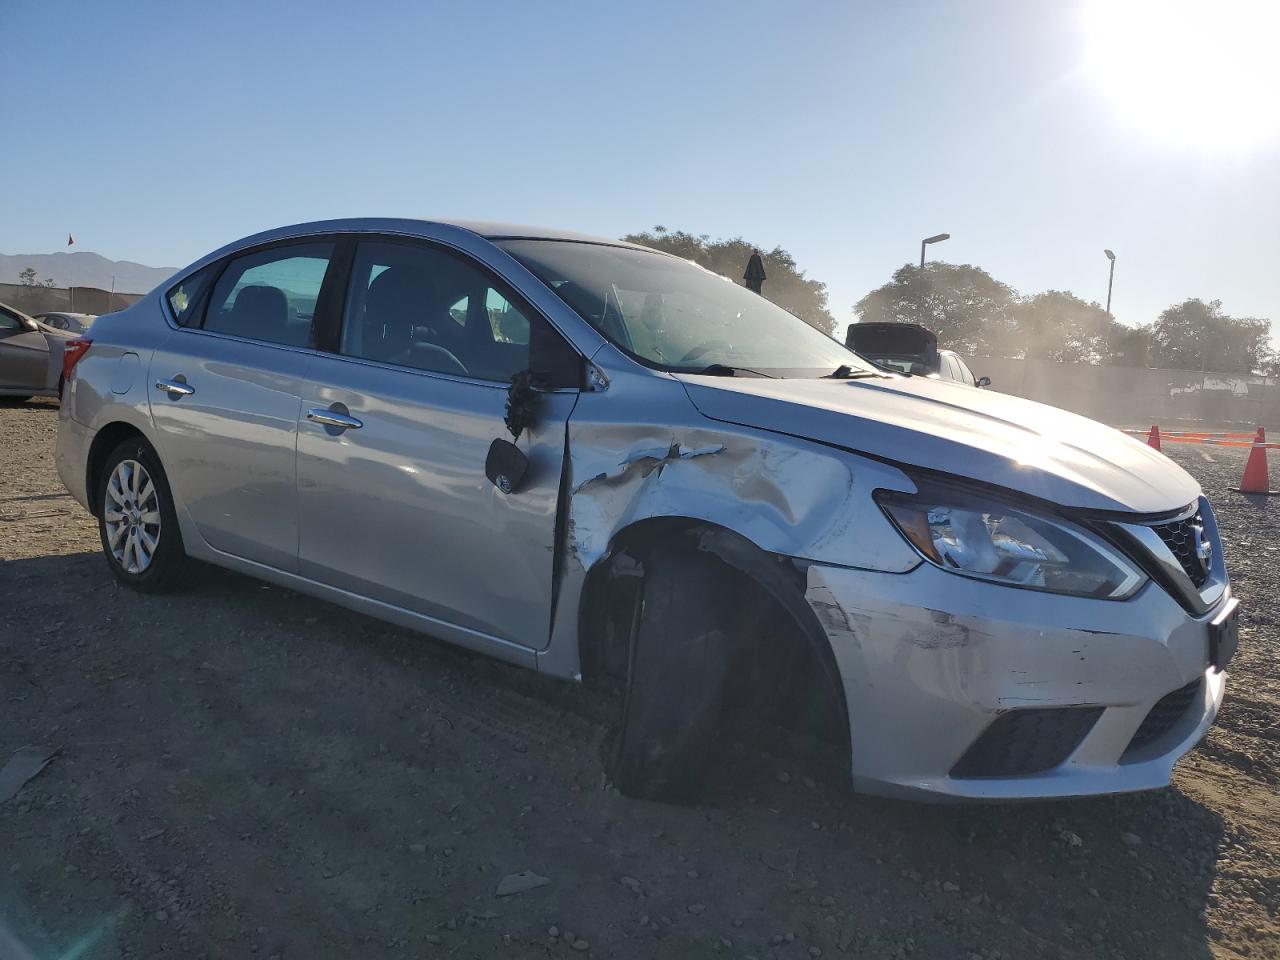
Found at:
(672, 314)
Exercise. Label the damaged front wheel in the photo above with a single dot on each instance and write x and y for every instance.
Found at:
(679, 658)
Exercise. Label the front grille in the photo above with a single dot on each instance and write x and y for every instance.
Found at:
(1178, 537)
(1026, 741)
(1168, 710)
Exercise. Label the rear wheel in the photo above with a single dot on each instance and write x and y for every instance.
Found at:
(137, 521)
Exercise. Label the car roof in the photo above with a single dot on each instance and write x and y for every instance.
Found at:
(488, 229)
(497, 230)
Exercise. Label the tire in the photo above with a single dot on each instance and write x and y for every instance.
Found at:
(680, 659)
(139, 529)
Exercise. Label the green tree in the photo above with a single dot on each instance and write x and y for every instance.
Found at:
(787, 285)
(29, 297)
(1057, 325)
(968, 309)
(1195, 335)
(1130, 346)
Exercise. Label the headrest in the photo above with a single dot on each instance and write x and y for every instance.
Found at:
(267, 303)
(398, 296)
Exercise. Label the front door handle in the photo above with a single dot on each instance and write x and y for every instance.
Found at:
(175, 388)
(331, 418)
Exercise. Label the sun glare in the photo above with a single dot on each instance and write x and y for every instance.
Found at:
(1199, 72)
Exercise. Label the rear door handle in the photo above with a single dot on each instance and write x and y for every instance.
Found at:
(331, 418)
(175, 388)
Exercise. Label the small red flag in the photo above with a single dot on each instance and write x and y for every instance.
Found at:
(70, 239)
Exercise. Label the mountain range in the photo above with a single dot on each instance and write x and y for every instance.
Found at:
(84, 269)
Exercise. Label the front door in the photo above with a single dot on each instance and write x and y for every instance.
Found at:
(225, 392)
(394, 430)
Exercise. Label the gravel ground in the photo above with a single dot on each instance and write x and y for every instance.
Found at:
(247, 772)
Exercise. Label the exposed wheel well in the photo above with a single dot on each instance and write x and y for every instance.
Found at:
(784, 667)
(106, 440)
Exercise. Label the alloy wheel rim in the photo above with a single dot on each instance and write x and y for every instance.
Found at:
(131, 516)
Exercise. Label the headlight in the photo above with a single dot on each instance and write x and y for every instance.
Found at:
(979, 536)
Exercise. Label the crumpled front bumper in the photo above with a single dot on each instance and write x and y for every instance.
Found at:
(930, 660)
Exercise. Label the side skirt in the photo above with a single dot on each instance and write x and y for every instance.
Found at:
(440, 629)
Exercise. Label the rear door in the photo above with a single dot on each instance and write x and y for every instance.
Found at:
(24, 356)
(226, 387)
(395, 505)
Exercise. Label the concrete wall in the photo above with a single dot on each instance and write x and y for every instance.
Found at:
(1132, 396)
(37, 299)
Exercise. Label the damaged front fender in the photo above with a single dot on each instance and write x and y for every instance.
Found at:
(788, 496)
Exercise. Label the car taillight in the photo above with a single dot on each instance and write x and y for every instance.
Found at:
(72, 351)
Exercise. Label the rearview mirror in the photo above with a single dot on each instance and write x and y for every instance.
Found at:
(506, 465)
(984, 382)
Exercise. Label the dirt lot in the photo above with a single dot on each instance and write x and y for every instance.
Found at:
(247, 772)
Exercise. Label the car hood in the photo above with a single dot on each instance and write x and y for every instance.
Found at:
(940, 425)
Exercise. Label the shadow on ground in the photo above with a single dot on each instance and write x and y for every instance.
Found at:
(247, 770)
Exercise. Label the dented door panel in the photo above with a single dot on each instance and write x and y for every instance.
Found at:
(399, 510)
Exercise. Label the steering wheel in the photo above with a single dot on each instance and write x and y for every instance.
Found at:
(702, 348)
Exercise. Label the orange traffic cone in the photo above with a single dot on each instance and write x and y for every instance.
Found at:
(1255, 478)
(1153, 438)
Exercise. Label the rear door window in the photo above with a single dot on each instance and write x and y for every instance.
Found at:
(270, 295)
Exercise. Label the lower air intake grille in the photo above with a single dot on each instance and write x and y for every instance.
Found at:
(1160, 720)
(1026, 741)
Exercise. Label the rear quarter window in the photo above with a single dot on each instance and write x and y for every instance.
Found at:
(185, 297)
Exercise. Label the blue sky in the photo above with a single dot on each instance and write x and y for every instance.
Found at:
(844, 132)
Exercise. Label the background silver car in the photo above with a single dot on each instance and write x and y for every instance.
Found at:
(30, 356)
(76, 323)
(601, 461)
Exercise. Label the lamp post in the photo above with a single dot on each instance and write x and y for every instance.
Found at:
(1110, 277)
(937, 238)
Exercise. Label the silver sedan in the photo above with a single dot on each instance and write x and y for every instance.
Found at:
(75, 323)
(605, 463)
(30, 356)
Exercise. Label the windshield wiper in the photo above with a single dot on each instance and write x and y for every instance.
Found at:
(724, 370)
(846, 372)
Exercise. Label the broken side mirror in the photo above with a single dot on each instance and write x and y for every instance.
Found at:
(506, 465)
(522, 400)
(983, 382)
(557, 365)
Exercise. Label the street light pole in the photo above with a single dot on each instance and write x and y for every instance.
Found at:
(937, 238)
(1111, 276)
